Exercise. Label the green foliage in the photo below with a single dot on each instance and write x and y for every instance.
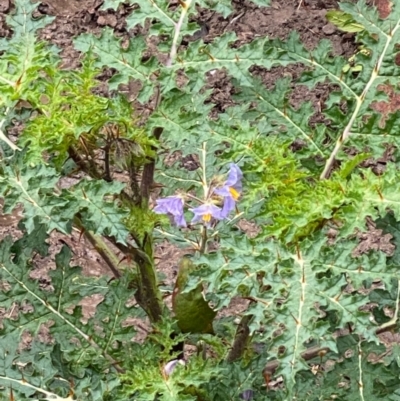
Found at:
(36, 189)
(72, 356)
(23, 59)
(148, 380)
(299, 282)
(74, 120)
(294, 289)
(192, 311)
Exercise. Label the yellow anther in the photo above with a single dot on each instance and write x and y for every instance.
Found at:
(235, 194)
(207, 217)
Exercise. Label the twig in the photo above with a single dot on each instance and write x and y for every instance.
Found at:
(234, 19)
(105, 252)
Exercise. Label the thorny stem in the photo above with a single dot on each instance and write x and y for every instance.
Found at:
(147, 293)
(178, 26)
(203, 240)
(101, 247)
(359, 101)
(87, 166)
(148, 173)
(107, 172)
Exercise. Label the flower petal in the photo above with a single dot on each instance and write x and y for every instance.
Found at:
(205, 212)
(223, 191)
(235, 176)
(172, 205)
(229, 205)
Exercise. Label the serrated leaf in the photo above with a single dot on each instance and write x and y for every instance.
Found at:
(34, 188)
(22, 22)
(149, 9)
(44, 367)
(23, 59)
(293, 289)
(128, 61)
(223, 7)
(99, 215)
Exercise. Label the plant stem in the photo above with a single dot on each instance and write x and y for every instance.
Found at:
(178, 26)
(203, 240)
(147, 294)
(148, 173)
(105, 252)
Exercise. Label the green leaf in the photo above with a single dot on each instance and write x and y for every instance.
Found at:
(149, 9)
(86, 353)
(34, 188)
(343, 21)
(23, 60)
(22, 22)
(127, 61)
(99, 214)
(223, 7)
(355, 375)
(293, 289)
(192, 311)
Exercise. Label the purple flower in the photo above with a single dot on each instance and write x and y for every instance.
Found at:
(172, 205)
(205, 213)
(247, 395)
(171, 365)
(231, 189)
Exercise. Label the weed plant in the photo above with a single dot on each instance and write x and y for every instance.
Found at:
(319, 319)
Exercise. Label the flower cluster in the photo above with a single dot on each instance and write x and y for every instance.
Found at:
(208, 211)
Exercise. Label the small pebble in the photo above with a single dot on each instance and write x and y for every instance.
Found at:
(329, 29)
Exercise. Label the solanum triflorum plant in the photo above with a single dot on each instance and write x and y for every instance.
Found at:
(312, 310)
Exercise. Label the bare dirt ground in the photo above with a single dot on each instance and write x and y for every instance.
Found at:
(74, 17)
